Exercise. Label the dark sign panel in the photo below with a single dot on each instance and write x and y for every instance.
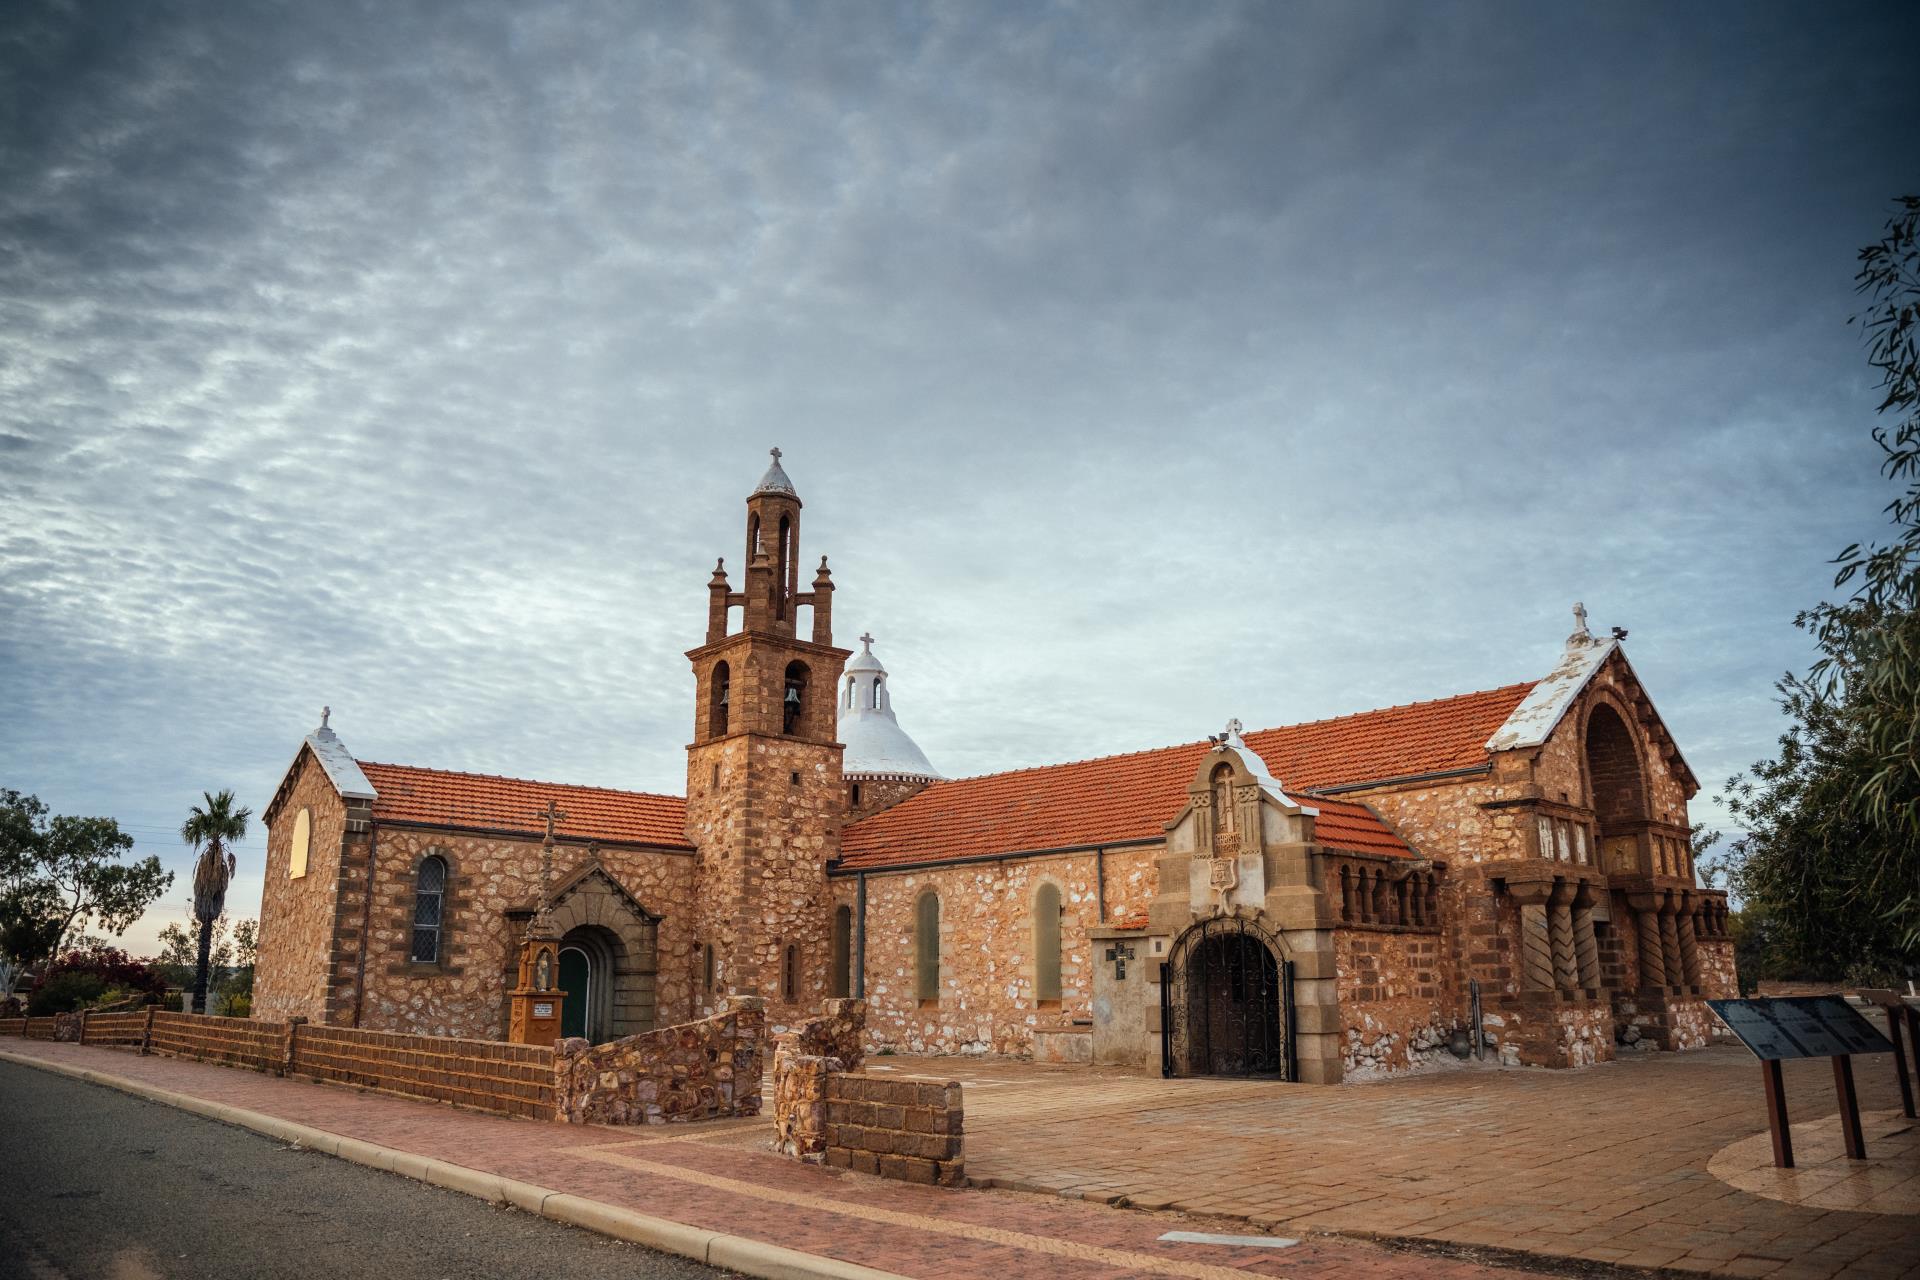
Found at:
(1800, 1027)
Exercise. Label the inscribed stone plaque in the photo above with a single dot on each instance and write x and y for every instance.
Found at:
(542, 1009)
(1799, 1027)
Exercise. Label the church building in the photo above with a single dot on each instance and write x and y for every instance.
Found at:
(1504, 872)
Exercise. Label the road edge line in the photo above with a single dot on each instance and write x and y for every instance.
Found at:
(714, 1248)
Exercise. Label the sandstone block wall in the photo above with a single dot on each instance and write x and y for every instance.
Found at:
(702, 1070)
(513, 1079)
(803, 1060)
(297, 917)
(1396, 1003)
(912, 1130)
(987, 1002)
(464, 994)
(238, 1042)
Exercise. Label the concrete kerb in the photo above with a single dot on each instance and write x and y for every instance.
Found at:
(715, 1248)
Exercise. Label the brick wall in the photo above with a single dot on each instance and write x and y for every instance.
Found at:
(120, 1029)
(803, 1060)
(235, 1042)
(514, 1079)
(906, 1129)
(701, 1070)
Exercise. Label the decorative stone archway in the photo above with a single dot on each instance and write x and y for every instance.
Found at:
(1227, 1003)
(592, 912)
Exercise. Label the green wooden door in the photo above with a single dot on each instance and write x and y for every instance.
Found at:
(576, 979)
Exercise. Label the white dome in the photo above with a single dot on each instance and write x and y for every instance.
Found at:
(877, 747)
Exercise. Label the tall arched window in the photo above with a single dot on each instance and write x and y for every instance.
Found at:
(429, 905)
(843, 951)
(302, 839)
(793, 700)
(1046, 942)
(722, 687)
(783, 587)
(926, 948)
(790, 973)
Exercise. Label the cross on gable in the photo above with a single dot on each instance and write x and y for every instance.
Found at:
(550, 815)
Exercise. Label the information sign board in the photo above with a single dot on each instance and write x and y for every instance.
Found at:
(1799, 1027)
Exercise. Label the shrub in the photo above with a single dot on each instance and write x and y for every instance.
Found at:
(65, 992)
(112, 967)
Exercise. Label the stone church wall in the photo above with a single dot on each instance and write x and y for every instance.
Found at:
(465, 993)
(987, 1002)
(297, 916)
(1397, 1000)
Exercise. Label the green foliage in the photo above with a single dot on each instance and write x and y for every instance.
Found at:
(233, 948)
(210, 829)
(60, 874)
(1831, 862)
(65, 993)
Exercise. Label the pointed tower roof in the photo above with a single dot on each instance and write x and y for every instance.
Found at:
(775, 481)
(876, 745)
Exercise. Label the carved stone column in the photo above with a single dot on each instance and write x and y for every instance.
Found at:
(1670, 943)
(1560, 931)
(1536, 942)
(1646, 922)
(1586, 947)
(1687, 925)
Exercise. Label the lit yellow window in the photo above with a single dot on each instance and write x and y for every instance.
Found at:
(302, 831)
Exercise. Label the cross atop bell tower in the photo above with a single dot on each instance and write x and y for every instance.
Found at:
(764, 785)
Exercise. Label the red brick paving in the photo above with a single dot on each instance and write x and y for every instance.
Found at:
(714, 1178)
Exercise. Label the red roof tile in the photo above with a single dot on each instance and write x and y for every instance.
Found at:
(1132, 797)
(406, 793)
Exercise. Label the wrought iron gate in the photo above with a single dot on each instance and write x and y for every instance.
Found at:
(1226, 1003)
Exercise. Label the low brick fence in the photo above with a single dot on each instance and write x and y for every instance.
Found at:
(824, 1112)
(705, 1070)
(488, 1075)
(508, 1079)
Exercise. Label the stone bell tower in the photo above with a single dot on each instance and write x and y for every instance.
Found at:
(765, 799)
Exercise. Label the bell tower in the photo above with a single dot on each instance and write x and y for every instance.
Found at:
(765, 798)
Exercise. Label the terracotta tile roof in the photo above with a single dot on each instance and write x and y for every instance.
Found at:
(1132, 797)
(407, 793)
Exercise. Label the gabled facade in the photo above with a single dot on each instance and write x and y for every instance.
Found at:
(1316, 902)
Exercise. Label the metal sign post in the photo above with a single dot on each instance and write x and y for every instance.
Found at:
(1804, 1027)
(1898, 1011)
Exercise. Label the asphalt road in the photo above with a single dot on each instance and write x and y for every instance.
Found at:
(97, 1185)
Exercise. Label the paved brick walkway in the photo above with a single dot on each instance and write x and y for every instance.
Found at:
(1608, 1164)
(719, 1177)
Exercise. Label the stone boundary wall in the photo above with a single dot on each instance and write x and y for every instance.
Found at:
(803, 1059)
(906, 1129)
(704, 1070)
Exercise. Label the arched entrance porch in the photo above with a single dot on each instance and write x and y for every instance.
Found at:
(1226, 1003)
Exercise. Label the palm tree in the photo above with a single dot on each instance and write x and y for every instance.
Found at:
(210, 830)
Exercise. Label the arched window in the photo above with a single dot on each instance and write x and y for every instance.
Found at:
(1046, 942)
(926, 948)
(782, 588)
(722, 685)
(429, 904)
(790, 973)
(302, 838)
(849, 701)
(842, 952)
(856, 795)
(793, 701)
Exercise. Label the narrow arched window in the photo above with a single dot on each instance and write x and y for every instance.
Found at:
(302, 838)
(722, 684)
(856, 795)
(783, 588)
(790, 973)
(429, 905)
(1046, 942)
(793, 700)
(843, 950)
(926, 948)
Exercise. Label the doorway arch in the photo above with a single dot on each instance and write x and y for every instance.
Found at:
(1617, 790)
(1226, 1003)
(587, 963)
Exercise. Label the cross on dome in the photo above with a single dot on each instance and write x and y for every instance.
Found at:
(866, 641)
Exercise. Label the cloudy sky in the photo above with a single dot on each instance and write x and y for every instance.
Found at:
(1139, 366)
